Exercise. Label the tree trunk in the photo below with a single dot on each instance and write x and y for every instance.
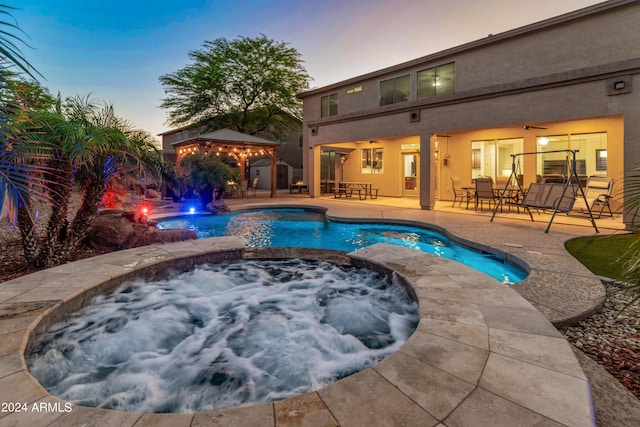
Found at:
(28, 234)
(79, 227)
(206, 195)
(61, 188)
(218, 192)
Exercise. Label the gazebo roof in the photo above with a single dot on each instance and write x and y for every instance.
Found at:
(231, 137)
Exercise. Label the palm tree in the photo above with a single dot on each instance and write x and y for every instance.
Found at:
(92, 147)
(632, 203)
(120, 153)
(22, 162)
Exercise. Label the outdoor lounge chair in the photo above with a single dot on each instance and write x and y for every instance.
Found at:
(598, 194)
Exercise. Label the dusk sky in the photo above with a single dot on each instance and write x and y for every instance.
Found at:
(116, 50)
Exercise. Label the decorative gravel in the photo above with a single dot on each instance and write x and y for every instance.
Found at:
(611, 337)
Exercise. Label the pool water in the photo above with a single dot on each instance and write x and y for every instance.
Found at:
(309, 229)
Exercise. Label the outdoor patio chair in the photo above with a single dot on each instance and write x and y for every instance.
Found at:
(598, 194)
(252, 187)
(484, 191)
(460, 195)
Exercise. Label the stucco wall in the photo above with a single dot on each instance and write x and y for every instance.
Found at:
(542, 49)
(557, 73)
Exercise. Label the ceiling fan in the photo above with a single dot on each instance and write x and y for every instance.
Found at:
(527, 127)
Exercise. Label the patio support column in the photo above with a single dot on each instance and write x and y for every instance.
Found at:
(312, 169)
(427, 171)
(274, 172)
(240, 160)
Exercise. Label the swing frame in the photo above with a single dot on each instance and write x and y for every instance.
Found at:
(515, 171)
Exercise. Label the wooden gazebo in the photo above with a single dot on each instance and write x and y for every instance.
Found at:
(237, 145)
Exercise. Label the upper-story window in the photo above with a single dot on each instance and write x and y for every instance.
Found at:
(394, 90)
(437, 80)
(329, 105)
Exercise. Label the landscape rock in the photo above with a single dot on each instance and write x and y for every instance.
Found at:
(612, 337)
(218, 207)
(117, 230)
(110, 231)
(146, 235)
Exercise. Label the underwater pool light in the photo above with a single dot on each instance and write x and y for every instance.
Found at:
(192, 210)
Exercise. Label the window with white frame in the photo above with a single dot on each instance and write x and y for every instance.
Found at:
(494, 157)
(591, 154)
(372, 160)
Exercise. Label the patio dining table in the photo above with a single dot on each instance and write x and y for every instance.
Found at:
(300, 186)
(470, 194)
(364, 189)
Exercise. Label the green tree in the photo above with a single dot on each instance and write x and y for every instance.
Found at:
(206, 176)
(27, 94)
(247, 84)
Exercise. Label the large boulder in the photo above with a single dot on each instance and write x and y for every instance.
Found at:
(117, 230)
(110, 231)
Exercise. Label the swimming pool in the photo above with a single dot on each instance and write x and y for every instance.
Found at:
(310, 229)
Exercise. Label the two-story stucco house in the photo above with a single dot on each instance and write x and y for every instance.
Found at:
(417, 129)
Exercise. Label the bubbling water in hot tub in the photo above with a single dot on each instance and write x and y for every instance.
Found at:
(224, 335)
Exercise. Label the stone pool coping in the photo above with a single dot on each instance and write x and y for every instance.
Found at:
(481, 354)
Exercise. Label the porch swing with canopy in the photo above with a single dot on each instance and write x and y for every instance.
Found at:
(552, 196)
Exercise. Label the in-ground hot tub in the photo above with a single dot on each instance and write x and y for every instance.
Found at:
(225, 334)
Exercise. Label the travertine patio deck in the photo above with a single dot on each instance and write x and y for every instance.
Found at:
(482, 354)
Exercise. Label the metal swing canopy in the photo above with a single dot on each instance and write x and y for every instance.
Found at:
(237, 144)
